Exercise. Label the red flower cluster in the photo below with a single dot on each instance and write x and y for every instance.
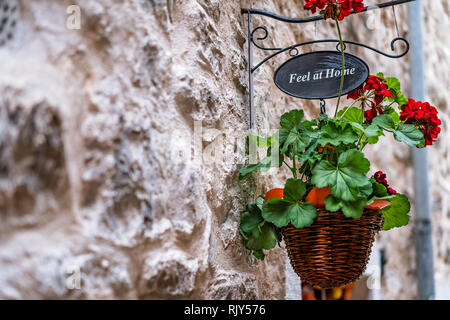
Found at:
(424, 117)
(379, 87)
(380, 177)
(336, 9)
(380, 90)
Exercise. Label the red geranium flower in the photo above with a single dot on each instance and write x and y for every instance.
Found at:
(336, 9)
(313, 5)
(380, 177)
(372, 113)
(424, 116)
(358, 5)
(379, 87)
(356, 94)
(380, 91)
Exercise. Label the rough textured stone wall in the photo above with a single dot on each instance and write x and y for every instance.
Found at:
(102, 173)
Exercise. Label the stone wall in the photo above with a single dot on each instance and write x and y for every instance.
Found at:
(106, 189)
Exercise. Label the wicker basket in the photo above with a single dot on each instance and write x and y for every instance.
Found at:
(334, 250)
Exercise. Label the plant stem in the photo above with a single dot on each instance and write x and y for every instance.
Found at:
(290, 168)
(293, 171)
(362, 121)
(390, 104)
(343, 67)
(294, 167)
(359, 141)
(363, 145)
(360, 98)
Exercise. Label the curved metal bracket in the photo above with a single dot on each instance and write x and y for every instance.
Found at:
(294, 52)
(264, 37)
(318, 17)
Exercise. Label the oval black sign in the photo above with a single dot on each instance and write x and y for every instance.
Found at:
(317, 75)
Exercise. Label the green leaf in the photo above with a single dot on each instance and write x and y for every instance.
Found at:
(268, 162)
(396, 214)
(291, 119)
(281, 212)
(409, 134)
(310, 125)
(373, 140)
(354, 159)
(294, 137)
(394, 87)
(352, 115)
(267, 239)
(394, 114)
(323, 117)
(371, 132)
(294, 190)
(406, 133)
(379, 190)
(310, 154)
(277, 210)
(384, 121)
(292, 133)
(312, 157)
(259, 254)
(332, 203)
(260, 201)
(251, 220)
(302, 214)
(345, 178)
(244, 173)
(366, 190)
(351, 209)
(333, 134)
(257, 233)
(359, 127)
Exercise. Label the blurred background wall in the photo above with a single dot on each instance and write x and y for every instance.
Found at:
(119, 146)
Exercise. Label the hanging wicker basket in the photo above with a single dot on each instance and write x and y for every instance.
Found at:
(334, 250)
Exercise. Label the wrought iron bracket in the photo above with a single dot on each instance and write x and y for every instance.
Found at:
(255, 41)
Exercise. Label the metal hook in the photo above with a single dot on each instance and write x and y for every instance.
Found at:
(323, 109)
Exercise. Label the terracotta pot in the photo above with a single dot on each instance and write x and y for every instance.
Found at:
(274, 193)
(378, 205)
(317, 196)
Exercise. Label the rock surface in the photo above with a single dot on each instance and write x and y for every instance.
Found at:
(120, 144)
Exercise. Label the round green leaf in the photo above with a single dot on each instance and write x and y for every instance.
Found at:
(294, 190)
(302, 214)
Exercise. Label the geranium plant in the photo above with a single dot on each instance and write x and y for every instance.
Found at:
(326, 158)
